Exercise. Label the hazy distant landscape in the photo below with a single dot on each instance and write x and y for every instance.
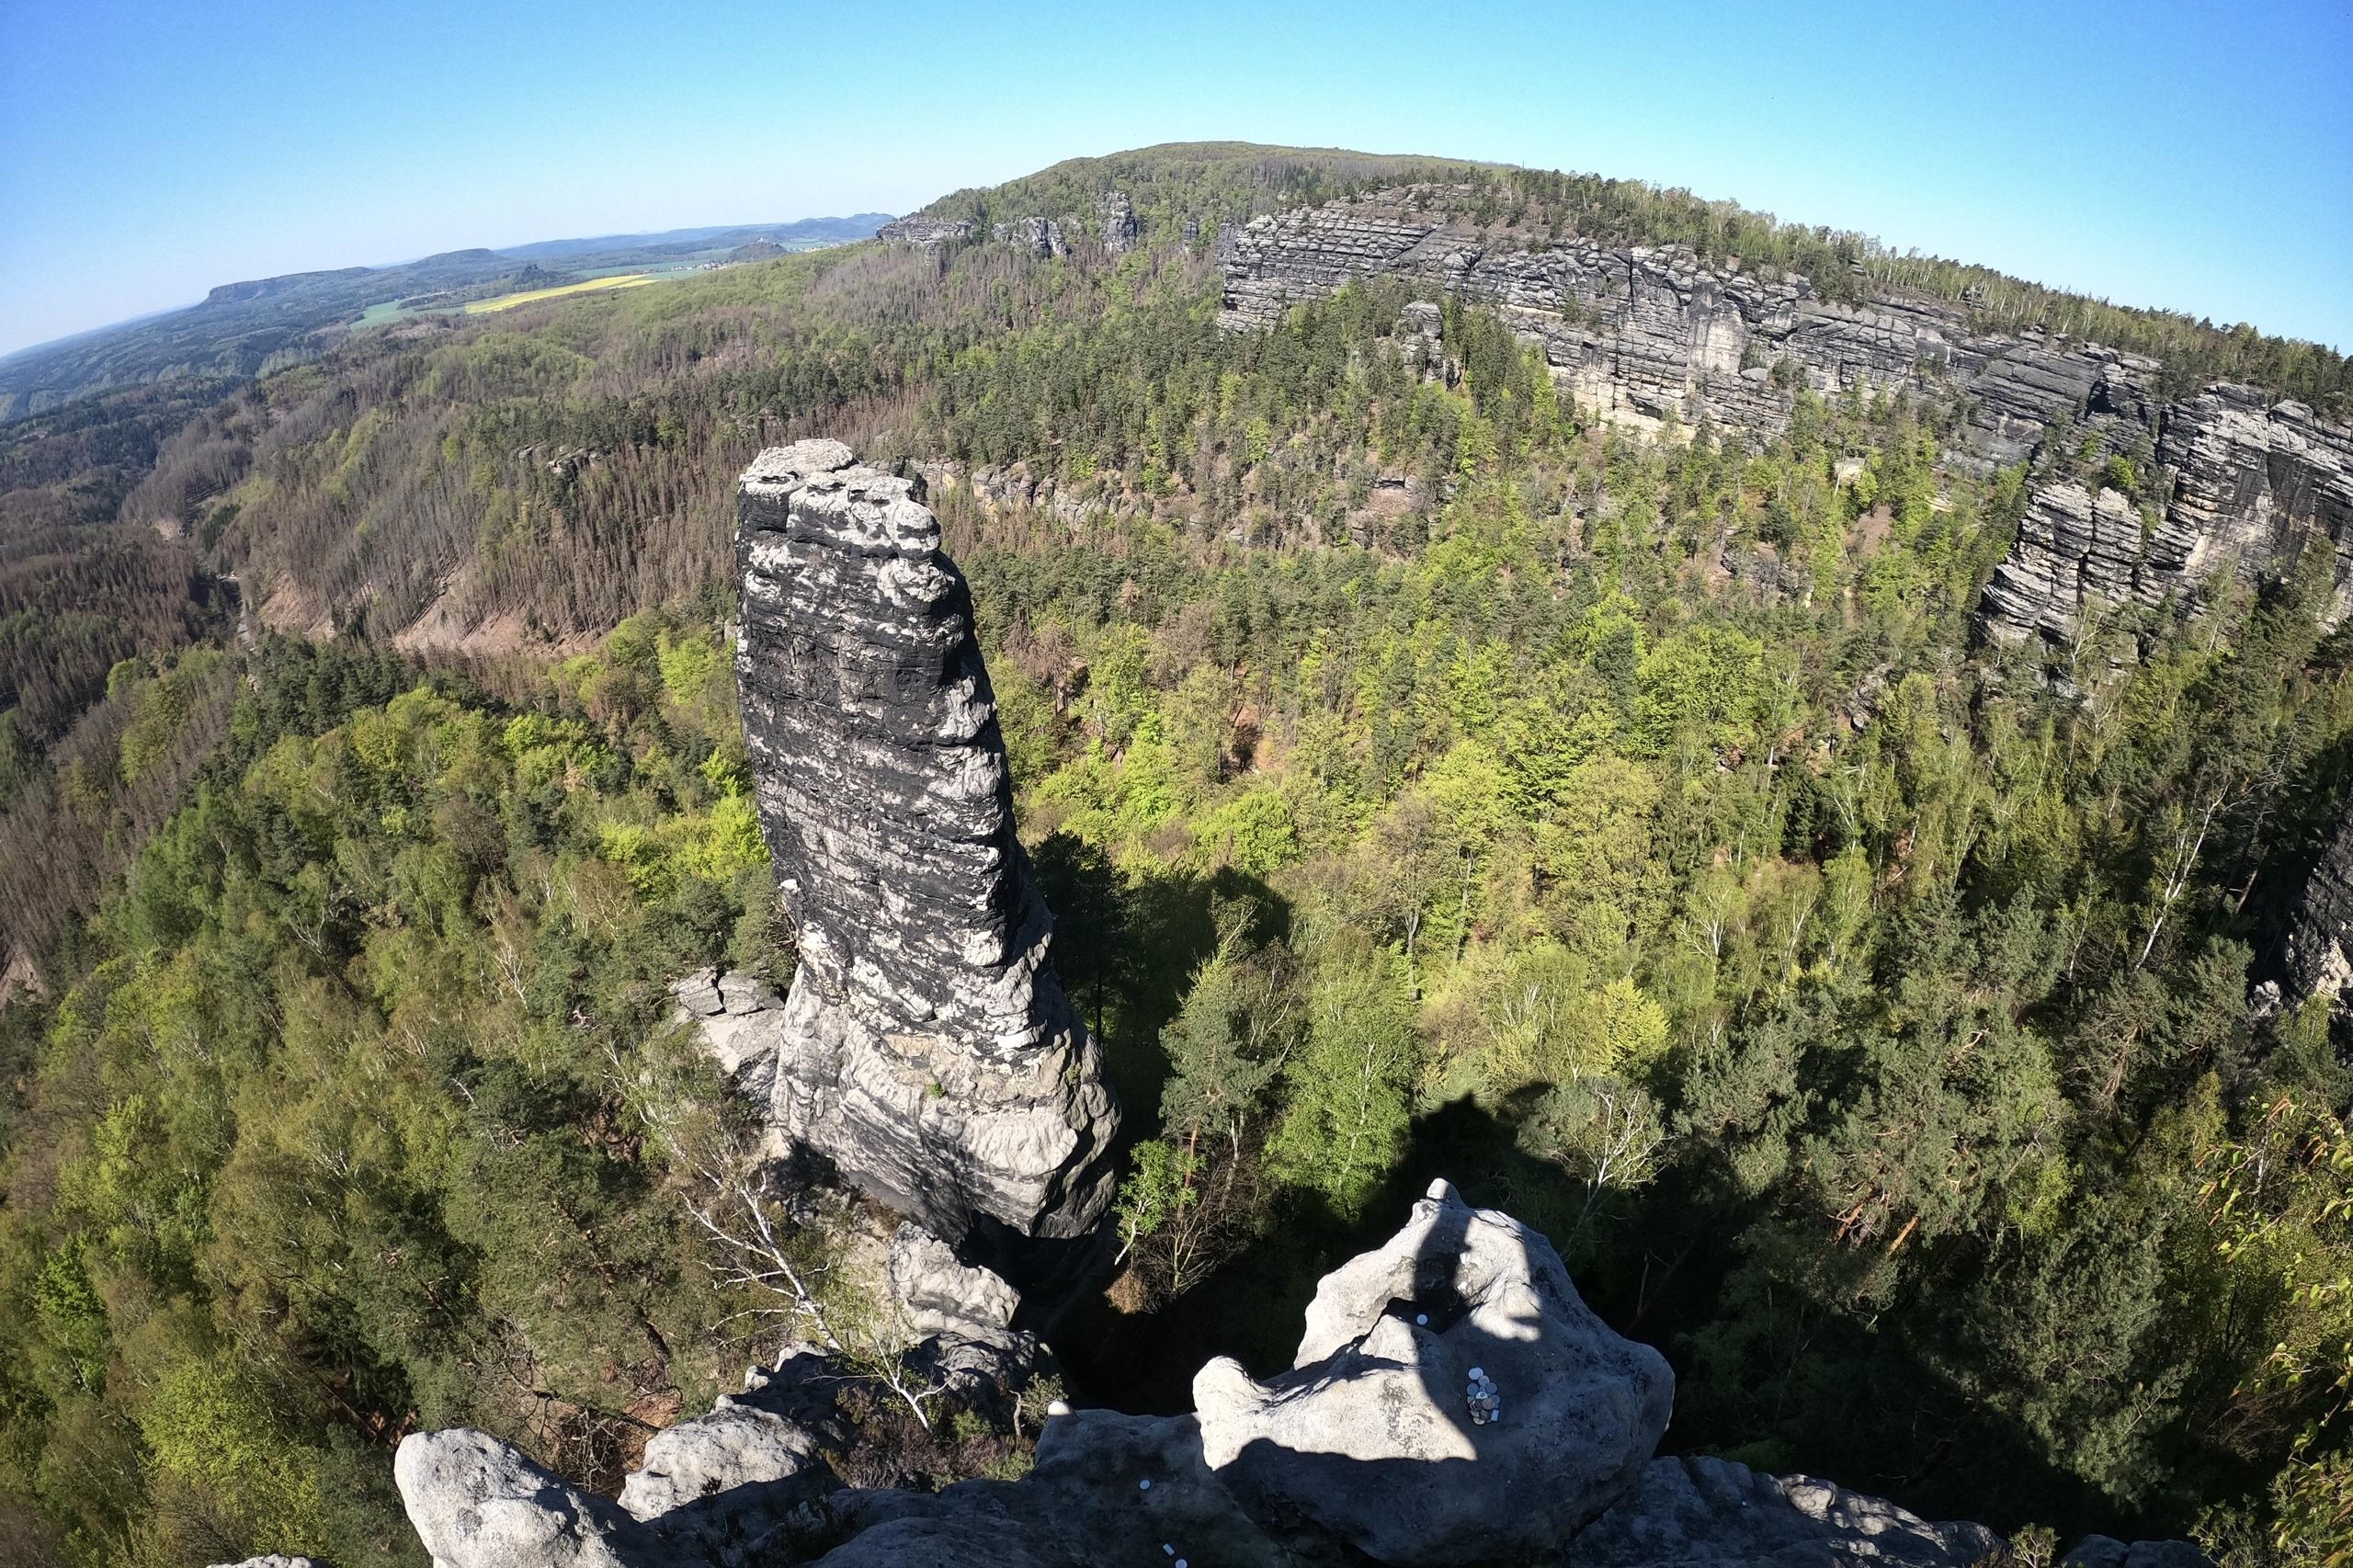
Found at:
(242, 329)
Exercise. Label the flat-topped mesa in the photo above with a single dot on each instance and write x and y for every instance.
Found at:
(925, 1046)
(925, 232)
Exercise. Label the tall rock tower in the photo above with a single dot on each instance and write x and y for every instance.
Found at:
(925, 1046)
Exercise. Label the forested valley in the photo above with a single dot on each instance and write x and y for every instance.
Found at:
(1428, 779)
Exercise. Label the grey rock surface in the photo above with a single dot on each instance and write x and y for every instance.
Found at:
(925, 233)
(736, 1444)
(2106, 1551)
(274, 1560)
(1116, 223)
(1041, 237)
(2078, 552)
(1711, 1513)
(1106, 1488)
(478, 1502)
(2317, 957)
(943, 1299)
(736, 1016)
(925, 1045)
(2250, 491)
(1453, 1401)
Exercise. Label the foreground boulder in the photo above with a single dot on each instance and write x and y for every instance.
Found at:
(1453, 1400)
(737, 1444)
(1382, 1445)
(1710, 1513)
(925, 1045)
(478, 1502)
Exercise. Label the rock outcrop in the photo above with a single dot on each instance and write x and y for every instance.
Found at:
(1041, 237)
(2106, 1552)
(2320, 941)
(478, 1502)
(736, 1015)
(1381, 1433)
(1373, 1448)
(2244, 487)
(739, 1443)
(1116, 223)
(2077, 551)
(2315, 955)
(925, 1046)
(922, 233)
(2251, 489)
(1638, 332)
(1711, 1513)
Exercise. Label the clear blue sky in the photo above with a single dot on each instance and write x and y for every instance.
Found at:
(2198, 156)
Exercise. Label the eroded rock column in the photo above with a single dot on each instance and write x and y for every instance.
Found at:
(925, 1046)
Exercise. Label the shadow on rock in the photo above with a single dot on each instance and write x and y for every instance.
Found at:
(1452, 1401)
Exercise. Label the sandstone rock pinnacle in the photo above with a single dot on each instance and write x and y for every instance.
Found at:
(925, 1045)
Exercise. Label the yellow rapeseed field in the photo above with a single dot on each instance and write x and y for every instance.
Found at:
(508, 302)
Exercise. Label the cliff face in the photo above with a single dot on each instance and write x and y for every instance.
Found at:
(2077, 550)
(2250, 490)
(1638, 333)
(925, 1045)
(924, 233)
(1641, 331)
(2315, 958)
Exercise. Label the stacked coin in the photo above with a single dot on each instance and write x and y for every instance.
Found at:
(1480, 1393)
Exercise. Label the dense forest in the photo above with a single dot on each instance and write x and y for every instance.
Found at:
(1429, 779)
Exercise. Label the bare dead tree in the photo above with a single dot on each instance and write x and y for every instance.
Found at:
(760, 1245)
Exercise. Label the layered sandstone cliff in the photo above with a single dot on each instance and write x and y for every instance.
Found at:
(2240, 487)
(2245, 490)
(1640, 332)
(925, 1046)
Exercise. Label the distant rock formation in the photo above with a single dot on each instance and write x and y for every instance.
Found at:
(1041, 237)
(1638, 332)
(925, 1045)
(2250, 490)
(922, 233)
(1378, 1446)
(1116, 225)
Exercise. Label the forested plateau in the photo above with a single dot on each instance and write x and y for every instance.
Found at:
(1647, 822)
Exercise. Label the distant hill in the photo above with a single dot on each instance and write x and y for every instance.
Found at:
(789, 236)
(242, 329)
